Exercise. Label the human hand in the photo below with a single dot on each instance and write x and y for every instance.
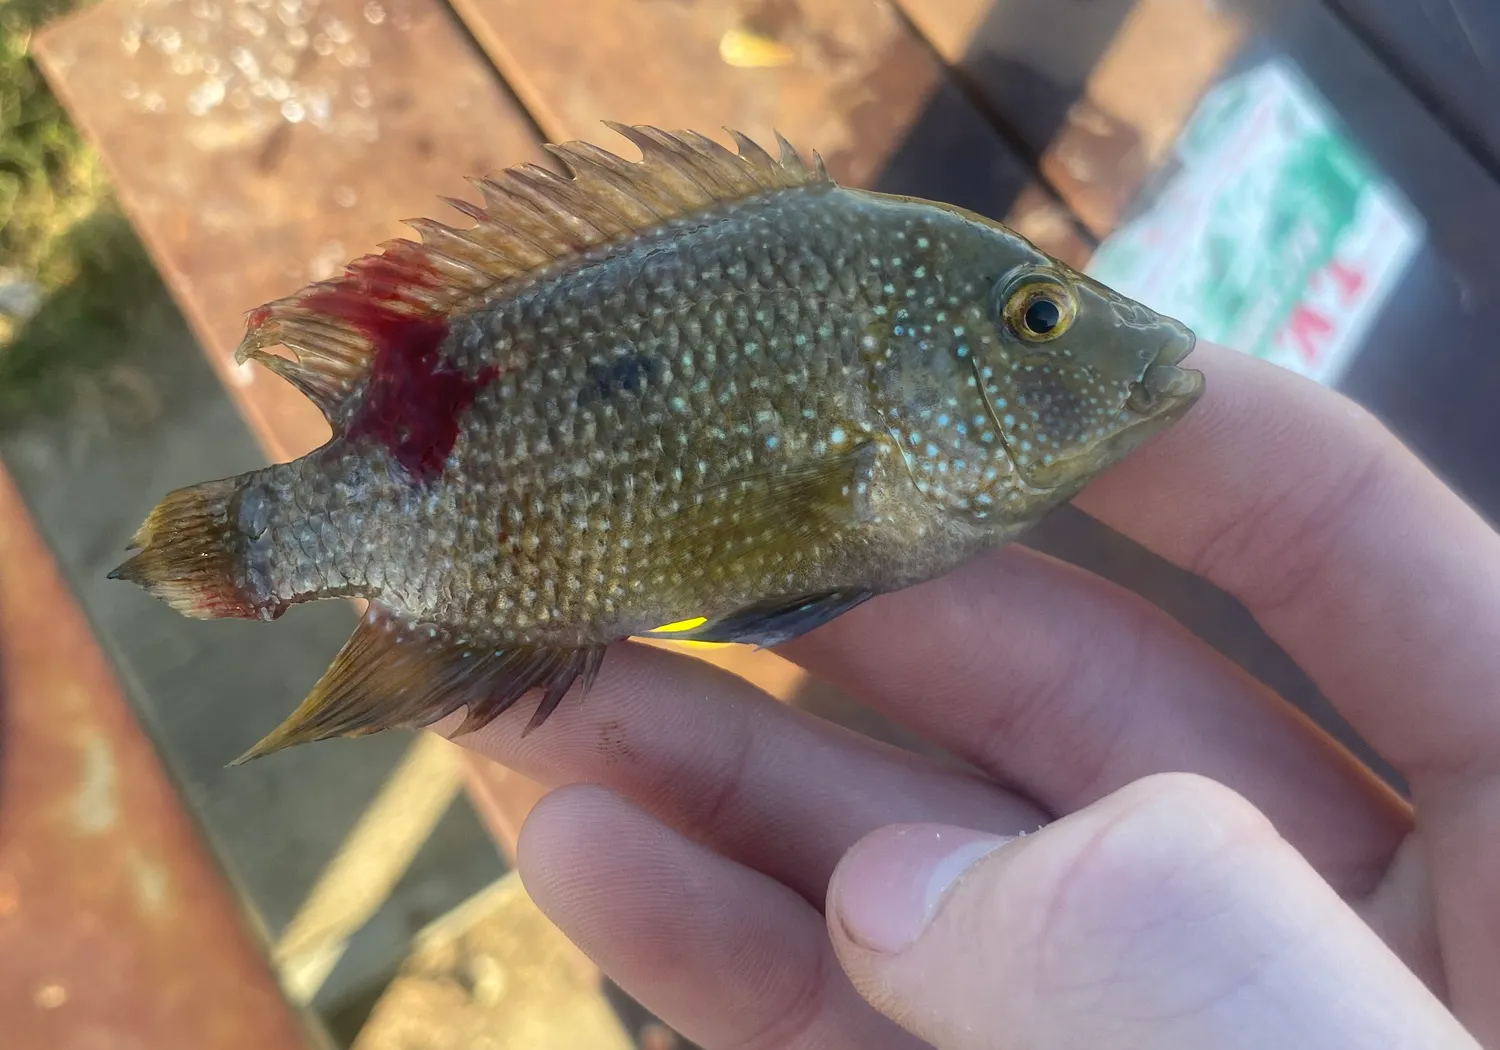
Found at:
(1212, 871)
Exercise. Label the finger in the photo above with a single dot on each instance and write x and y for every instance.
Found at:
(1377, 579)
(708, 753)
(1350, 553)
(1069, 687)
(727, 956)
(1169, 915)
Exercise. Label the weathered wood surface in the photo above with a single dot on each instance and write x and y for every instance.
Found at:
(105, 888)
(1095, 92)
(251, 162)
(845, 77)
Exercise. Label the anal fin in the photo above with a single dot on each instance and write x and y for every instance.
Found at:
(771, 623)
(392, 674)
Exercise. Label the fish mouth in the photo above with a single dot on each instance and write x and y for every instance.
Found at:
(1164, 385)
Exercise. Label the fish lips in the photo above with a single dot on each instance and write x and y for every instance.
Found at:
(1164, 385)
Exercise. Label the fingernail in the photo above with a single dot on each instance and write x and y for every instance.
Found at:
(894, 882)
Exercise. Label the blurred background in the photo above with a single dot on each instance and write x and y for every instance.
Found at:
(1314, 181)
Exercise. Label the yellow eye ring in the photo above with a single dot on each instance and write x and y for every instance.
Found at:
(1040, 311)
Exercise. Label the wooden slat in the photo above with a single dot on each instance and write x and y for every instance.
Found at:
(1450, 51)
(850, 80)
(239, 205)
(116, 928)
(1097, 91)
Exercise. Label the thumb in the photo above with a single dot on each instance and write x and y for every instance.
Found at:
(1169, 916)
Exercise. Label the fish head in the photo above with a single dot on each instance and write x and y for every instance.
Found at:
(1077, 375)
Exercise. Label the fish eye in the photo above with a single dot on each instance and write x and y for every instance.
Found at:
(1039, 311)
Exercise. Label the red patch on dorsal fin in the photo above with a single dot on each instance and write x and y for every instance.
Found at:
(413, 399)
(378, 329)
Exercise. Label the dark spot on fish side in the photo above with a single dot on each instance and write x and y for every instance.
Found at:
(629, 373)
(412, 398)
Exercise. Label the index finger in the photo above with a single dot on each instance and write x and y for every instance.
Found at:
(1376, 578)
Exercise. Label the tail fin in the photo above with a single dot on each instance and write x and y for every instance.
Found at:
(192, 556)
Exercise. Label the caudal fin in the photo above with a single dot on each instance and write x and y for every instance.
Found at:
(192, 555)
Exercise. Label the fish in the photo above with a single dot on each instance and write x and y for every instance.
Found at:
(709, 394)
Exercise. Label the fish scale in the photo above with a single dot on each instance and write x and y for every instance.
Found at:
(710, 390)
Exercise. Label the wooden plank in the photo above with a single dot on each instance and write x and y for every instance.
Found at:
(845, 77)
(1096, 91)
(238, 202)
(1099, 89)
(360, 878)
(1449, 51)
(105, 888)
(202, 691)
(255, 149)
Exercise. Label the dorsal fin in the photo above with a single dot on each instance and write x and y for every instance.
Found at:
(530, 218)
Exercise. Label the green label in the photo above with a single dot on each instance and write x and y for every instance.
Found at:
(1275, 236)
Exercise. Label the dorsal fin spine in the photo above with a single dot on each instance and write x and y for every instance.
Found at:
(531, 219)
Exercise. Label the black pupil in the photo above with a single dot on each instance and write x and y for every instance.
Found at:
(1042, 316)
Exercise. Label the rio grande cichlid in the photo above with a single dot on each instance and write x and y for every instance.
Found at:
(711, 390)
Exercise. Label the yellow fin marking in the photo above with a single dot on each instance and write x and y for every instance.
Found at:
(681, 625)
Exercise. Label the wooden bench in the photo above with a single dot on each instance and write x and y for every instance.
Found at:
(258, 145)
(105, 887)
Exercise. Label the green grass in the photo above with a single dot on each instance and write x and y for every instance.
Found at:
(61, 230)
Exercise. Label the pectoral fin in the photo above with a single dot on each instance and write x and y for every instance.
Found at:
(743, 525)
(771, 623)
(764, 513)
